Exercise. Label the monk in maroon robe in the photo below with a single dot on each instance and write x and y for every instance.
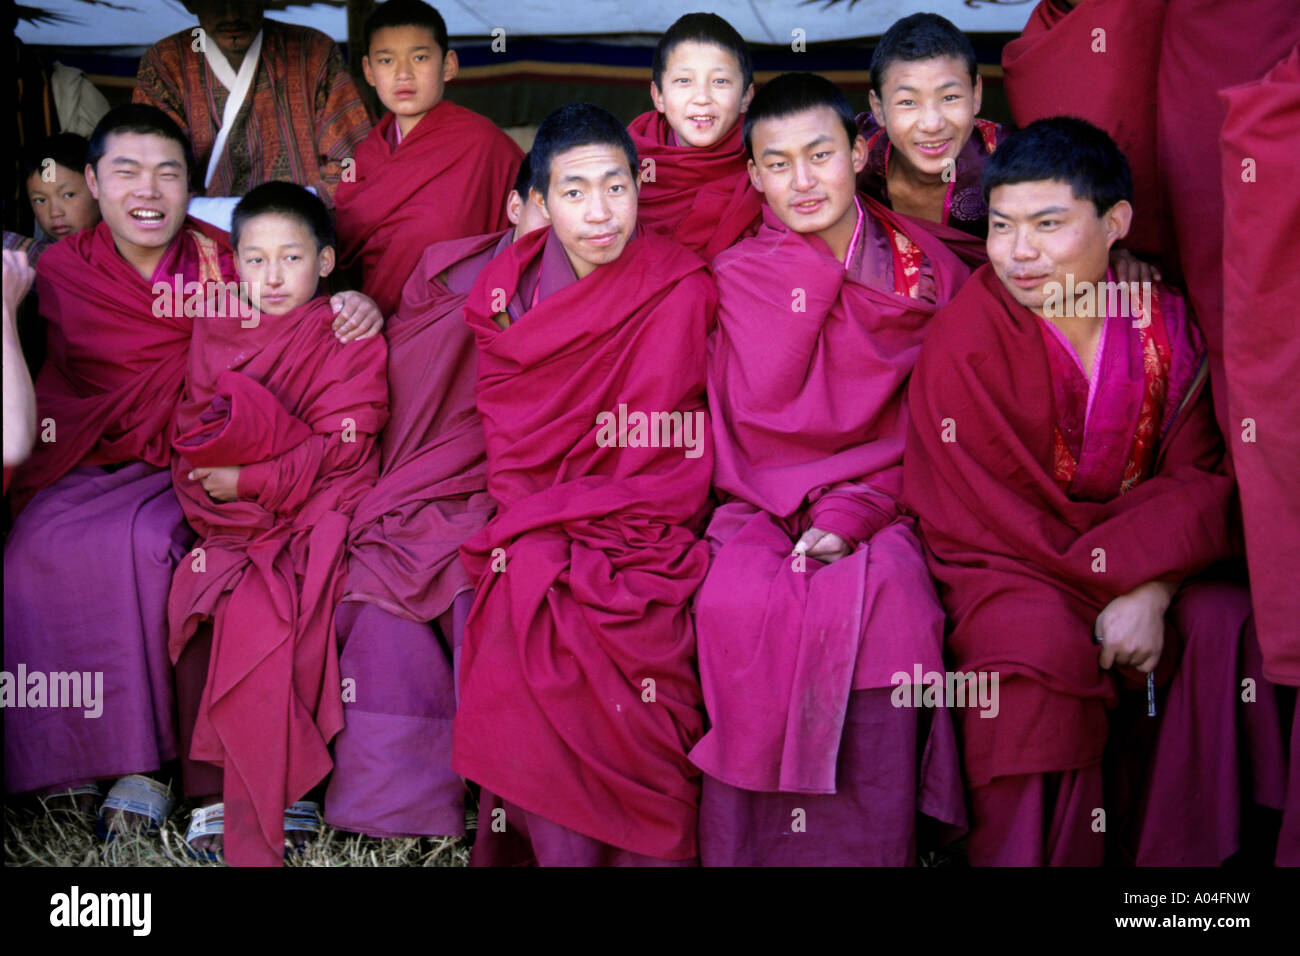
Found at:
(277, 443)
(406, 594)
(1062, 66)
(578, 693)
(430, 170)
(120, 301)
(90, 556)
(1261, 286)
(694, 186)
(808, 760)
(1064, 462)
(926, 146)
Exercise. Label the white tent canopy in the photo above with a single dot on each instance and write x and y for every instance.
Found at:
(138, 23)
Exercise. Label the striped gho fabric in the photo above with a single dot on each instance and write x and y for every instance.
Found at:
(303, 117)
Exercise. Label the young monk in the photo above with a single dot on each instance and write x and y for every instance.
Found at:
(818, 593)
(926, 145)
(56, 186)
(406, 594)
(55, 181)
(430, 170)
(1064, 462)
(694, 187)
(277, 443)
(578, 695)
(95, 493)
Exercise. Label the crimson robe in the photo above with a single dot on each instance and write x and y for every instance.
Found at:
(94, 497)
(701, 197)
(807, 396)
(1207, 48)
(578, 693)
(300, 412)
(448, 178)
(1059, 66)
(116, 351)
(1028, 527)
(1261, 287)
(393, 771)
(1260, 291)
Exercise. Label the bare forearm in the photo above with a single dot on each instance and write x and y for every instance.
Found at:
(19, 397)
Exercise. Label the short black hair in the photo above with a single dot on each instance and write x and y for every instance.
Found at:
(922, 36)
(407, 13)
(578, 124)
(285, 199)
(66, 149)
(792, 93)
(1064, 149)
(524, 177)
(703, 28)
(143, 119)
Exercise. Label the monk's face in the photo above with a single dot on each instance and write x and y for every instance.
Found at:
(230, 24)
(525, 216)
(591, 204)
(61, 200)
(1041, 233)
(408, 70)
(806, 168)
(928, 109)
(141, 185)
(281, 263)
(704, 93)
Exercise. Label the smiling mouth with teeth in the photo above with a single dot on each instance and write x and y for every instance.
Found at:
(146, 215)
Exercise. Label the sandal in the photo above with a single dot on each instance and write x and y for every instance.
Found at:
(136, 794)
(92, 790)
(304, 816)
(206, 821)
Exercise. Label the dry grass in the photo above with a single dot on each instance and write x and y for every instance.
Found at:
(39, 835)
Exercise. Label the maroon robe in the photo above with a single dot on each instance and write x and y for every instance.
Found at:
(392, 773)
(300, 412)
(1206, 49)
(96, 498)
(447, 178)
(578, 693)
(1058, 67)
(1018, 504)
(798, 659)
(1261, 286)
(701, 197)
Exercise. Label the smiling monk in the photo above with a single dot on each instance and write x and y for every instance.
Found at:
(578, 693)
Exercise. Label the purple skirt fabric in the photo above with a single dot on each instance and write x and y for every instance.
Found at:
(87, 570)
(1214, 752)
(894, 765)
(392, 761)
(508, 835)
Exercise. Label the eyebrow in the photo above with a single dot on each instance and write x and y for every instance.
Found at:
(1049, 211)
(422, 46)
(817, 141)
(941, 86)
(127, 161)
(609, 174)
